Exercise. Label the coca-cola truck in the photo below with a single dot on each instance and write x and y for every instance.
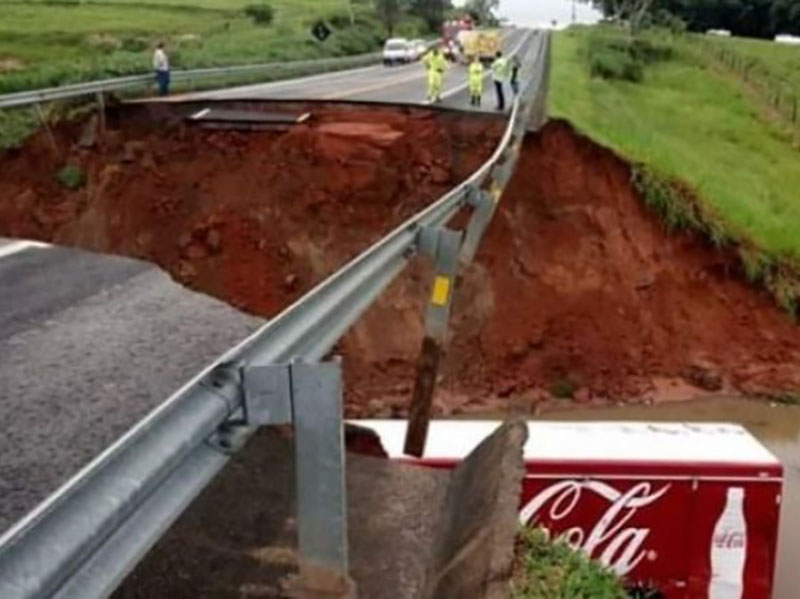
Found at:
(679, 510)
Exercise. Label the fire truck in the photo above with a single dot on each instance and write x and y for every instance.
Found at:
(451, 30)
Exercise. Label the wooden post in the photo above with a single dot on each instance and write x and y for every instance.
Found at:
(43, 121)
(101, 107)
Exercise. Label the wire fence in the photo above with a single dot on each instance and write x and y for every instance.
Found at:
(783, 95)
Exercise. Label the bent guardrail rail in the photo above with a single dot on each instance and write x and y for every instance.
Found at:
(26, 98)
(86, 537)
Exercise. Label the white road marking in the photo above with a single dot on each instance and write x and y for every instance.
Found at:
(20, 246)
(243, 91)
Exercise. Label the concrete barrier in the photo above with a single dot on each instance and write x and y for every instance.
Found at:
(473, 549)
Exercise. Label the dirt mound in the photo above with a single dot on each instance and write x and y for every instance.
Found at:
(578, 291)
(254, 218)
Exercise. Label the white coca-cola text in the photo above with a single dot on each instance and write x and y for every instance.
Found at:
(610, 540)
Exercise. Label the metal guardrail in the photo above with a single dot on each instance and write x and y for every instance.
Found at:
(75, 90)
(85, 538)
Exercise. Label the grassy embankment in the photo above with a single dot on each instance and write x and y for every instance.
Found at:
(689, 120)
(47, 43)
(51, 42)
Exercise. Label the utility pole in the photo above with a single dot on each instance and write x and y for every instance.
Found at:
(574, 12)
(350, 10)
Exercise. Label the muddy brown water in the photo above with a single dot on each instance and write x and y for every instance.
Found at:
(776, 426)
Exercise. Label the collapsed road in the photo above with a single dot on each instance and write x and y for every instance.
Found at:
(102, 329)
(577, 285)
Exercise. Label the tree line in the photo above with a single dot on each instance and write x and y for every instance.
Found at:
(751, 18)
(433, 12)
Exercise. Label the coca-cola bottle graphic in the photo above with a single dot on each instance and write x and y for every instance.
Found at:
(729, 549)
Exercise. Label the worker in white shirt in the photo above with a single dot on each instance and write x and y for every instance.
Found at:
(161, 66)
(500, 75)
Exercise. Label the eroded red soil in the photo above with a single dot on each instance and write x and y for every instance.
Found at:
(254, 218)
(577, 288)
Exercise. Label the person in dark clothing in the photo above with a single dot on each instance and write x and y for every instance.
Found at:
(515, 67)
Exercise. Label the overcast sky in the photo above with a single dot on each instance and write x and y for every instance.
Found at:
(531, 12)
(534, 12)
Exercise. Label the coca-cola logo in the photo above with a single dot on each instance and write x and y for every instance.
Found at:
(611, 540)
(730, 539)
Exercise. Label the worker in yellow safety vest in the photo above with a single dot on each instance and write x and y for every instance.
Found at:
(436, 65)
(475, 82)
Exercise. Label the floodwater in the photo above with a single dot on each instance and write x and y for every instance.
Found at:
(776, 426)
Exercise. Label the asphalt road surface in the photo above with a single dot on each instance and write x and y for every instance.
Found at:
(405, 84)
(89, 344)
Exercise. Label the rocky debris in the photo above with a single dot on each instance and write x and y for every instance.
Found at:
(703, 376)
(379, 134)
(133, 151)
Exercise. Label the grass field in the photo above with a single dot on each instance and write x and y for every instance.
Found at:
(51, 42)
(780, 60)
(693, 122)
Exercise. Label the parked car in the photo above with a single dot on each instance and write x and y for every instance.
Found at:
(719, 32)
(418, 48)
(396, 51)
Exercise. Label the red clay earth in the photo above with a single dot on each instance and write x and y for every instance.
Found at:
(254, 218)
(577, 289)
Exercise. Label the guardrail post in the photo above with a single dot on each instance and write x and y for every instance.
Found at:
(319, 463)
(101, 106)
(443, 245)
(310, 396)
(483, 209)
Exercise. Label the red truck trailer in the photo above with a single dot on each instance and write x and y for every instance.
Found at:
(685, 511)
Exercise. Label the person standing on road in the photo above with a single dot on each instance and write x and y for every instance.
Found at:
(516, 65)
(475, 81)
(436, 65)
(500, 73)
(161, 66)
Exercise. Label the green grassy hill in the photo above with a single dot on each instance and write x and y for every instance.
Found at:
(691, 120)
(50, 42)
(770, 70)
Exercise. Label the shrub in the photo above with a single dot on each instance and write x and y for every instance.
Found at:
(609, 64)
(104, 43)
(613, 55)
(135, 44)
(339, 20)
(548, 569)
(263, 14)
(356, 40)
(649, 51)
(71, 177)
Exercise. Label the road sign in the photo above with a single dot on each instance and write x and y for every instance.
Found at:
(321, 31)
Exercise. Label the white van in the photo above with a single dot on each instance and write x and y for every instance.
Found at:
(396, 51)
